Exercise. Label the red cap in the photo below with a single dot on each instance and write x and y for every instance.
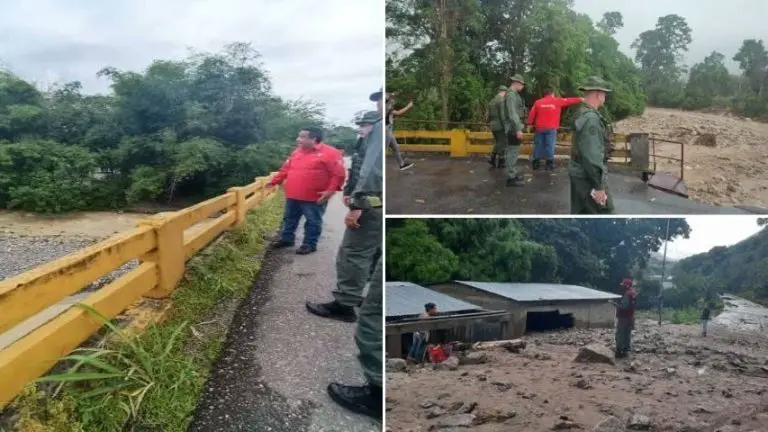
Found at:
(626, 282)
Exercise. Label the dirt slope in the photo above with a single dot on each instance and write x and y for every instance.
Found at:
(676, 379)
(735, 171)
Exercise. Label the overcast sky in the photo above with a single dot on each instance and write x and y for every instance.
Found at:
(716, 25)
(330, 50)
(710, 231)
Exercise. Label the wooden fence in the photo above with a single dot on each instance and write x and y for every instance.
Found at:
(162, 244)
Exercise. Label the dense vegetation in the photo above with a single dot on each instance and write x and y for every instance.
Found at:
(451, 56)
(741, 269)
(590, 252)
(179, 131)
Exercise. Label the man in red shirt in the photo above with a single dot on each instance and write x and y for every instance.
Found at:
(625, 319)
(311, 175)
(545, 116)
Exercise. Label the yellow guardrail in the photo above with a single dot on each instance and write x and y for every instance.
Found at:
(162, 244)
(462, 142)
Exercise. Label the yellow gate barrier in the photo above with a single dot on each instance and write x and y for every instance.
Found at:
(162, 244)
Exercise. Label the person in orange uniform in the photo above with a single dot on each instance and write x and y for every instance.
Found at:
(545, 117)
(313, 173)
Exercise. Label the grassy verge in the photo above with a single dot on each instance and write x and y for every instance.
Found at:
(689, 315)
(153, 382)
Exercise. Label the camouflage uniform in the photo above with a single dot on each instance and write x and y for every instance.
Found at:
(587, 168)
(514, 108)
(496, 124)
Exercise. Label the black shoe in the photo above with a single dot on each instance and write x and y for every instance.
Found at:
(536, 164)
(281, 244)
(492, 160)
(550, 165)
(364, 400)
(515, 182)
(333, 310)
(305, 250)
(405, 166)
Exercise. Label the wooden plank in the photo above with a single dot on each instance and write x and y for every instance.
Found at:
(35, 354)
(206, 232)
(198, 212)
(428, 148)
(31, 292)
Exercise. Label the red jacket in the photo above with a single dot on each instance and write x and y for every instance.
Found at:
(308, 173)
(545, 113)
(627, 306)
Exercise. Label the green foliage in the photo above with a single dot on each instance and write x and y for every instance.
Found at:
(591, 252)
(454, 58)
(741, 269)
(180, 130)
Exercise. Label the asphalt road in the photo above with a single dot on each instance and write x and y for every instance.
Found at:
(439, 185)
(278, 358)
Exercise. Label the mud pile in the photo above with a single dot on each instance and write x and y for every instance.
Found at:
(726, 157)
(675, 380)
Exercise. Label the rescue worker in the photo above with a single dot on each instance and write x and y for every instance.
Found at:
(625, 318)
(361, 243)
(496, 124)
(545, 118)
(513, 115)
(587, 168)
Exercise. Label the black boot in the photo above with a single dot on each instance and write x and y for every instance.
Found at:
(516, 182)
(535, 164)
(333, 310)
(281, 244)
(492, 159)
(364, 400)
(550, 165)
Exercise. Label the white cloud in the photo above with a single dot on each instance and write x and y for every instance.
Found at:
(710, 231)
(330, 50)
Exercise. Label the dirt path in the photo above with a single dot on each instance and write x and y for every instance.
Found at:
(733, 172)
(676, 379)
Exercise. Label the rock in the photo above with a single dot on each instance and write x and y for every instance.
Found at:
(427, 404)
(639, 422)
(436, 412)
(610, 424)
(514, 345)
(473, 358)
(396, 365)
(583, 384)
(701, 410)
(494, 415)
(727, 393)
(467, 408)
(456, 420)
(566, 425)
(595, 353)
(451, 363)
(706, 140)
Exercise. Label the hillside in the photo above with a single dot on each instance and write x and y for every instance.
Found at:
(740, 269)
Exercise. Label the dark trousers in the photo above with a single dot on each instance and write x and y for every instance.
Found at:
(313, 225)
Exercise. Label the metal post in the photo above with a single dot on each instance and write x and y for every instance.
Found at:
(663, 268)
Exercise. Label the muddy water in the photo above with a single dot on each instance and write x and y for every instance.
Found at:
(743, 315)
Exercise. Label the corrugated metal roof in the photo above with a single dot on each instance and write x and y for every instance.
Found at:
(531, 292)
(405, 298)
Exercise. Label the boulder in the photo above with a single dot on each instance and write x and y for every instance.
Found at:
(473, 358)
(595, 353)
(396, 365)
(609, 424)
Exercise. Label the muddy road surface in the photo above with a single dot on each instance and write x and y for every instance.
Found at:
(675, 380)
(733, 171)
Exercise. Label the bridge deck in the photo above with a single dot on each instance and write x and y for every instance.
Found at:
(441, 186)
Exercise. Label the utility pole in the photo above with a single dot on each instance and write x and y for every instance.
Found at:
(663, 268)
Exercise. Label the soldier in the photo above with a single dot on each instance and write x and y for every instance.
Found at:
(361, 243)
(587, 168)
(495, 117)
(514, 111)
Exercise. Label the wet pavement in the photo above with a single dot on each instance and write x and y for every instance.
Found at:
(278, 358)
(440, 185)
(742, 315)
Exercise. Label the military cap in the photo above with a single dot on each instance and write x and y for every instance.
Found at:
(595, 83)
(517, 78)
(502, 88)
(375, 97)
(369, 117)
